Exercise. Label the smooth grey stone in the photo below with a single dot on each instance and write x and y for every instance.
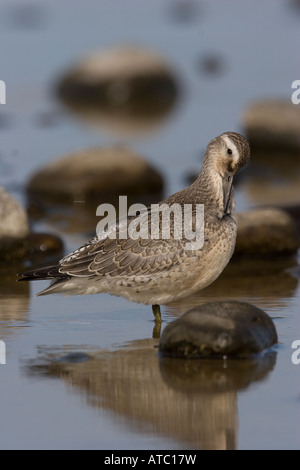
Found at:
(91, 175)
(219, 329)
(266, 232)
(273, 124)
(125, 89)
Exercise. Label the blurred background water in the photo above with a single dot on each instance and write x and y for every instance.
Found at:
(110, 390)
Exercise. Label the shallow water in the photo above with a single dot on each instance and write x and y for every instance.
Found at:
(109, 388)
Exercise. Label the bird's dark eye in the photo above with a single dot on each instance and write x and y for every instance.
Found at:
(229, 151)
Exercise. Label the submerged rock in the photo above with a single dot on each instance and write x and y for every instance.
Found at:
(219, 329)
(123, 87)
(265, 232)
(94, 175)
(47, 245)
(273, 124)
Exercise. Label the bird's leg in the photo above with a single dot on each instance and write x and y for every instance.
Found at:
(157, 316)
(156, 313)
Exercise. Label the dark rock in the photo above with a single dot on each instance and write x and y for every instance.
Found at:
(219, 329)
(94, 175)
(273, 124)
(43, 244)
(294, 212)
(33, 247)
(122, 88)
(266, 232)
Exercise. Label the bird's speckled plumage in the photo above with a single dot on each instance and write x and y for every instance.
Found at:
(156, 271)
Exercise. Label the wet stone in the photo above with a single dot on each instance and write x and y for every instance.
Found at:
(266, 232)
(228, 329)
(35, 247)
(273, 124)
(95, 175)
(43, 245)
(294, 211)
(126, 83)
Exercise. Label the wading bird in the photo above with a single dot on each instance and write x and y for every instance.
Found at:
(159, 270)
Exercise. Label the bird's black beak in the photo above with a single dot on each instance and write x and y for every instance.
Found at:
(227, 189)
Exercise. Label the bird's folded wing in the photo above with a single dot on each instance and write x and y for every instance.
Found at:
(124, 256)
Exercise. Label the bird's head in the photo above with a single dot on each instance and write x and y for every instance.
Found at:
(225, 156)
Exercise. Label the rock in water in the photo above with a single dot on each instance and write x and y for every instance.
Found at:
(218, 329)
(93, 174)
(266, 232)
(273, 124)
(123, 88)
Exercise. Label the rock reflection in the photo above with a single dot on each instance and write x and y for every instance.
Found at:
(205, 393)
(192, 402)
(14, 303)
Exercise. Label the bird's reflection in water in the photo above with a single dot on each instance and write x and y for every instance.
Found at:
(192, 402)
